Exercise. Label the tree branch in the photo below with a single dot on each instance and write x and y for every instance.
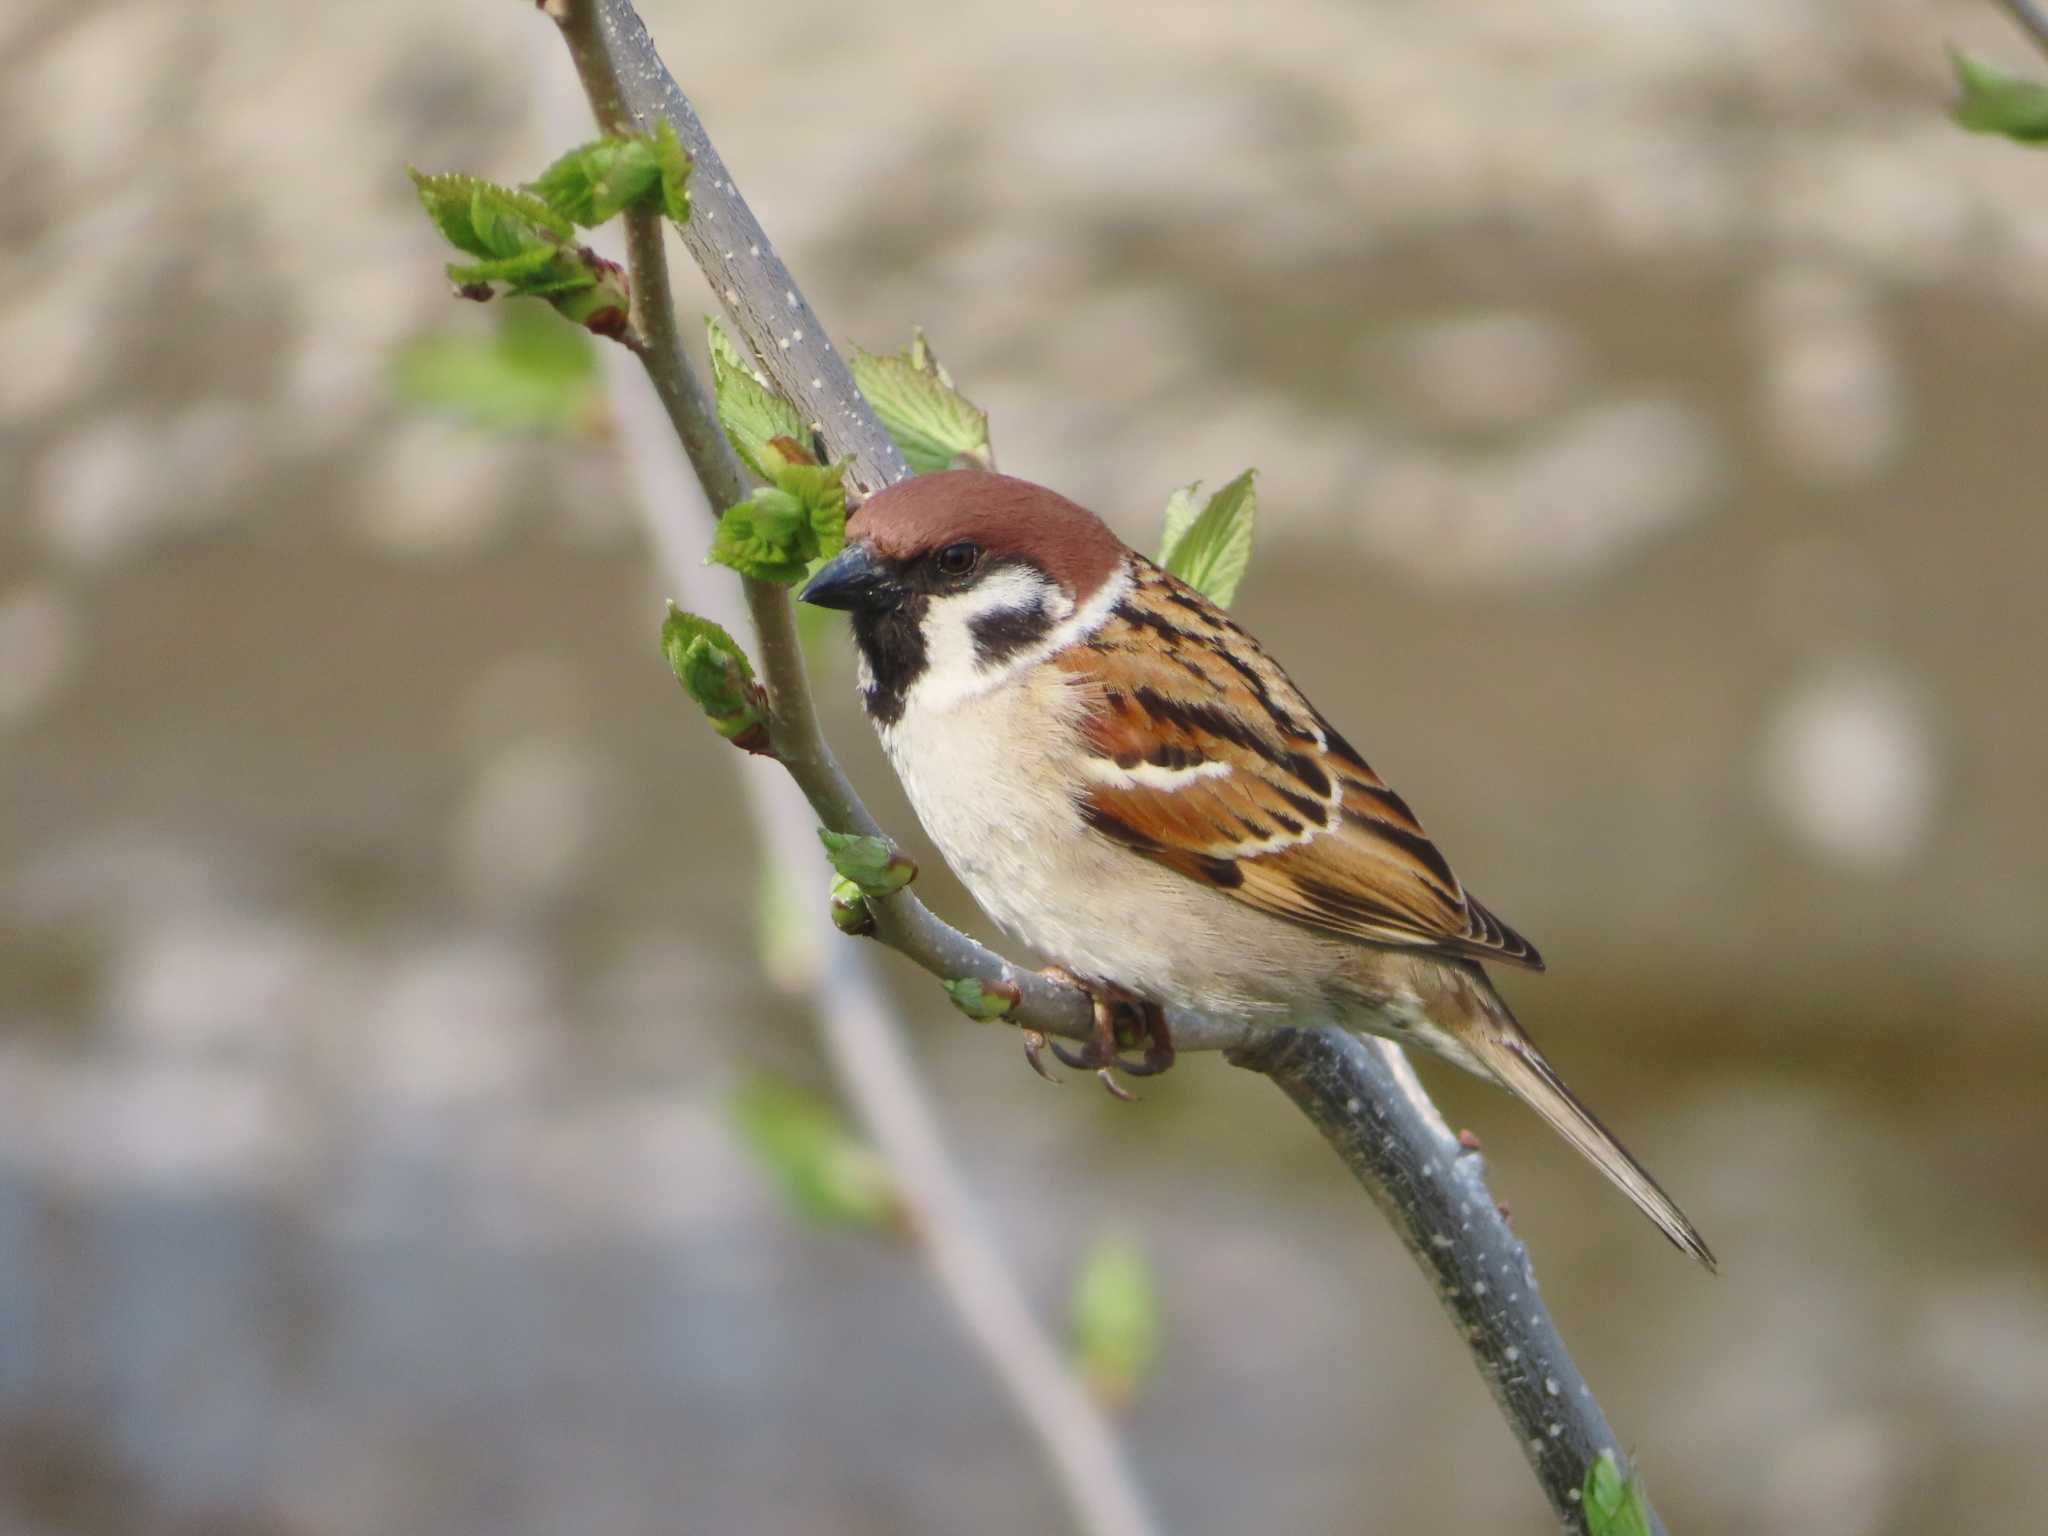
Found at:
(728, 242)
(853, 1017)
(2031, 17)
(630, 89)
(873, 1065)
(1363, 1097)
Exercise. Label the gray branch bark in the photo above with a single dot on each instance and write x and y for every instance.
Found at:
(1363, 1097)
(872, 1062)
(2031, 17)
(760, 297)
(867, 1051)
(631, 89)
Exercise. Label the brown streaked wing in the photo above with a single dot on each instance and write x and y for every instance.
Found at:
(1299, 826)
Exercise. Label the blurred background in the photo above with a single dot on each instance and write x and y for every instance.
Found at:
(1647, 399)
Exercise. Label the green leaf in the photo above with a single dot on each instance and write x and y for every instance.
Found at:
(525, 245)
(780, 532)
(1115, 1319)
(506, 222)
(674, 164)
(1614, 1504)
(752, 414)
(593, 181)
(983, 1002)
(529, 374)
(1181, 511)
(824, 1170)
(850, 910)
(715, 672)
(1210, 550)
(821, 489)
(1996, 102)
(767, 536)
(935, 425)
(604, 307)
(485, 219)
(539, 271)
(874, 867)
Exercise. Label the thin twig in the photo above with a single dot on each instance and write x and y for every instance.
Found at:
(629, 99)
(2031, 17)
(728, 242)
(631, 96)
(1363, 1097)
(1367, 1101)
(867, 1049)
(874, 1067)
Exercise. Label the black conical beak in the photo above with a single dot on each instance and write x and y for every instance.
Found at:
(852, 579)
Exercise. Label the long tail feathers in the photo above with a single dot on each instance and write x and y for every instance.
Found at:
(1510, 1056)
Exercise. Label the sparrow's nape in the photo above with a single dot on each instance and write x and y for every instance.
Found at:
(853, 580)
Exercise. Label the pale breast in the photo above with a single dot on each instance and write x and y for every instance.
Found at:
(992, 780)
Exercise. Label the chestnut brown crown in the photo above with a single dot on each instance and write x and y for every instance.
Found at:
(1005, 517)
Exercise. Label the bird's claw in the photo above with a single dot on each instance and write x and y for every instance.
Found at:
(1074, 1059)
(1099, 1055)
(1034, 1045)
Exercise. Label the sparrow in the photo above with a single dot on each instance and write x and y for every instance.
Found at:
(1126, 782)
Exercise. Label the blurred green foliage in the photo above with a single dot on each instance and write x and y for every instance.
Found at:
(1996, 102)
(527, 374)
(827, 1173)
(789, 948)
(1114, 1319)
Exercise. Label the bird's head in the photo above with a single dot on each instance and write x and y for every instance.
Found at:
(955, 579)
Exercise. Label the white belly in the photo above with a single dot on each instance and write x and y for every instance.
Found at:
(988, 781)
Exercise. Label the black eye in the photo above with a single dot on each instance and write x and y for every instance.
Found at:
(957, 559)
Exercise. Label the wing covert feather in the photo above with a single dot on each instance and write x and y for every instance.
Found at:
(1209, 760)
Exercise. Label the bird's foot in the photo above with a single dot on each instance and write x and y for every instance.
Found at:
(1142, 1023)
(1034, 1052)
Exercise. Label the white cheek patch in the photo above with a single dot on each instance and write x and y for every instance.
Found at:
(1011, 589)
(952, 660)
(954, 670)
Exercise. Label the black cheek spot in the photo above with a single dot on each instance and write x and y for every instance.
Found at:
(1002, 634)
